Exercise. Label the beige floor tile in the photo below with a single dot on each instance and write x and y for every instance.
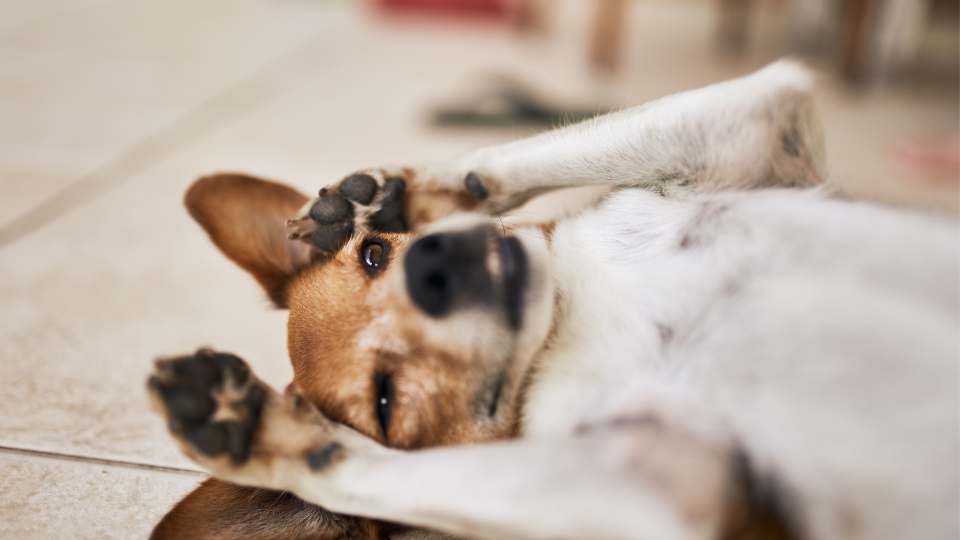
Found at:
(26, 15)
(46, 498)
(92, 297)
(82, 85)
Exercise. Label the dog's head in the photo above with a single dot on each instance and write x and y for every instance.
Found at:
(414, 338)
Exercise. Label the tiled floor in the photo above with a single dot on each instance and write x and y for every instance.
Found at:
(109, 109)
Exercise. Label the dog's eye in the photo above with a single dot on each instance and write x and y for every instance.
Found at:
(373, 255)
(383, 385)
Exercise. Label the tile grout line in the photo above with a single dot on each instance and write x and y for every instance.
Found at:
(98, 461)
(214, 113)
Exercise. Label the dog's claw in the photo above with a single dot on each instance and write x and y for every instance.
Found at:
(475, 187)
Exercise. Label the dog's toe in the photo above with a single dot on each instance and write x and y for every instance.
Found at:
(390, 217)
(359, 188)
(330, 208)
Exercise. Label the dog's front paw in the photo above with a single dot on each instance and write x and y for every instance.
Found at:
(240, 430)
(370, 200)
(212, 402)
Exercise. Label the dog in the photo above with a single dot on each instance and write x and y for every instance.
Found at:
(716, 346)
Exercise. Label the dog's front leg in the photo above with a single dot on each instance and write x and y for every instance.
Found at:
(755, 131)
(641, 482)
(642, 479)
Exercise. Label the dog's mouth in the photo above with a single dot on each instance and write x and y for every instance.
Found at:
(513, 275)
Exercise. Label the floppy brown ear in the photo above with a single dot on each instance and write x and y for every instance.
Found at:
(246, 218)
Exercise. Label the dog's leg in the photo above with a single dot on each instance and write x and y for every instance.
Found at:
(645, 478)
(755, 131)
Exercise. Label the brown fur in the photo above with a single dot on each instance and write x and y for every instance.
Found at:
(347, 327)
(219, 511)
(245, 217)
(327, 328)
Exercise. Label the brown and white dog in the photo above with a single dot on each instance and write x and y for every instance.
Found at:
(713, 348)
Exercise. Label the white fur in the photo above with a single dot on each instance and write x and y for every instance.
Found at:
(823, 334)
(819, 336)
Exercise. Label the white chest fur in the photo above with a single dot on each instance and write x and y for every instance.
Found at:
(793, 320)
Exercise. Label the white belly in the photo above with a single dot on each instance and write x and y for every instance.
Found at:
(820, 331)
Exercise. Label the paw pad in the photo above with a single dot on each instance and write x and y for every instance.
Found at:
(359, 188)
(330, 208)
(211, 402)
(391, 216)
(361, 200)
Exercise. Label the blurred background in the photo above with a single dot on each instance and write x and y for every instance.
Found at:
(109, 109)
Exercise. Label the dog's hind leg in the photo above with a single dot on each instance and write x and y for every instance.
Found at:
(755, 131)
(646, 478)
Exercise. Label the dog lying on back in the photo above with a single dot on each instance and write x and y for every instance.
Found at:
(713, 348)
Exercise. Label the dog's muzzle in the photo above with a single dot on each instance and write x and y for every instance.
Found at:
(447, 271)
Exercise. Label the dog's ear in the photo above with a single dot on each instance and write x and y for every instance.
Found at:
(246, 218)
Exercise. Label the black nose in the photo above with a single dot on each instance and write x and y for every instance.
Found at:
(445, 270)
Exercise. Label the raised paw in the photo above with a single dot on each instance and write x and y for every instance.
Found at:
(240, 430)
(370, 200)
(212, 402)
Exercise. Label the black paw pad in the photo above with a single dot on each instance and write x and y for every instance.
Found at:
(475, 187)
(392, 215)
(187, 387)
(325, 456)
(209, 439)
(359, 188)
(331, 208)
(188, 405)
(329, 238)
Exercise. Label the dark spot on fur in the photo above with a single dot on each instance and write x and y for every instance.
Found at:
(701, 225)
(731, 287)
(665, 332)
(667, 177)
(488, 399)
(475, 187)
(325, 456)
(760, 507)
(359, 188)
(391, 216)
(330, 208)
(790, 141)
(514, 289)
